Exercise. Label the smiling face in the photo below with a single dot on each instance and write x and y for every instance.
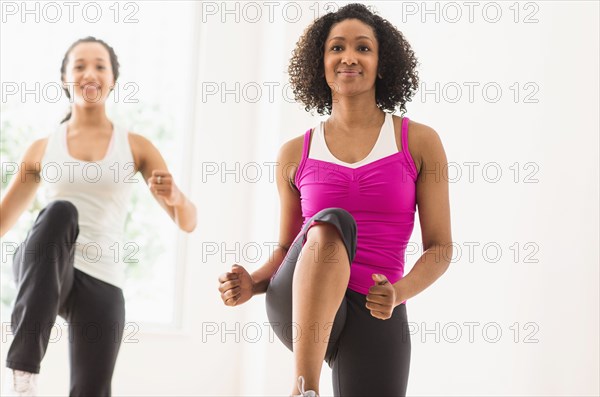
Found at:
(351, 58)
(88, 74)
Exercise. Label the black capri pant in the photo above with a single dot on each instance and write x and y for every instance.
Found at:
(368, 356)
(47, 285)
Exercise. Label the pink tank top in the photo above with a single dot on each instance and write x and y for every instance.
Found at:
(381, 197)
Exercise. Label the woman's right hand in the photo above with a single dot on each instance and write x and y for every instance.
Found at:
(236, 287)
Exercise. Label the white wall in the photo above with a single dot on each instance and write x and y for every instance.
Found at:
(557, 295)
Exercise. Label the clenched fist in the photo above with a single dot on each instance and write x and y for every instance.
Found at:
(236, 286)
(381, 298)
(162, 185)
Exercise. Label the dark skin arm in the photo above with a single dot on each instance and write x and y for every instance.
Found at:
(432, 196)
(238, 286)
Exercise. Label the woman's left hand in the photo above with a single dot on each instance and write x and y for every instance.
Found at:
(162, 185)
(381, 298)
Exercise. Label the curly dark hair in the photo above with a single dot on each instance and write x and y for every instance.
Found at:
(399, 79)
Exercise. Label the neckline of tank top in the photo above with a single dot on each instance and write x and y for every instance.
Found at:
(387, 122)
(107, 154)
(361, 167)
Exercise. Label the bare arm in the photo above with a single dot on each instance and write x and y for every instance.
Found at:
(151, 164)
(290, 220)
(434, 215)
(23, 186)
(238, 286)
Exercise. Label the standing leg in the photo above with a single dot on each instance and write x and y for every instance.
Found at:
(43, 268)
(96, 314)
(373, 357)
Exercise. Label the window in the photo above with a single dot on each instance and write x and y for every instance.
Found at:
(153, 97)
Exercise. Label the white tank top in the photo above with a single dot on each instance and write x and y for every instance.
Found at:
(100, 191)
(384, 146)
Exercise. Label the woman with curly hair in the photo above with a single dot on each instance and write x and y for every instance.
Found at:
(335, 287)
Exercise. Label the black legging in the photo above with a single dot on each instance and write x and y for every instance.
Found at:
(368, 356)
(48, 284)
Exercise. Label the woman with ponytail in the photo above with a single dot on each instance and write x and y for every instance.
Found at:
(53, 274)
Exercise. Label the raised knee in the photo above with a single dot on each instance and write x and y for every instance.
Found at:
(335, 223)
(323, 231)
(337, 216)
(61, 212)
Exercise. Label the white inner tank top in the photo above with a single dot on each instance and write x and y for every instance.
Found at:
(384, 146)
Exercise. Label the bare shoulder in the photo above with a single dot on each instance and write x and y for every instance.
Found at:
(292, 149)
(39, 145)
(35, 151)
(138, 141)
(139, 148)
(290, 155)
(423, 141)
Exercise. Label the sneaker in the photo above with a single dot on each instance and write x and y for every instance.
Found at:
(20, 383)
(307, 393)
